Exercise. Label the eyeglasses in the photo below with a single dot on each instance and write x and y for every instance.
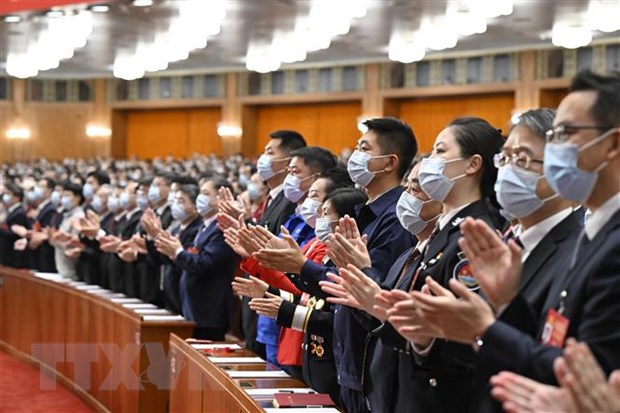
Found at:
(563, 133)
(521, 159)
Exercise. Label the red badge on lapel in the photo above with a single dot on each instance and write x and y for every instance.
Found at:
(193, 250)
(556, 327)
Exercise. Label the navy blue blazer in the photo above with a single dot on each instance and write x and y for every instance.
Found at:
(42, 258)
(592, 306)
(205, 285)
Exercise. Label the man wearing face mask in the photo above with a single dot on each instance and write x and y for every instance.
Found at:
(272, 167)
(94, 180)
(306, 165)
(208, 266)
(16, 215)
(42, 253)
(89, 262)
(187, 222)
(62, 239)
(122, 274)
(582, 164)
(379, 164)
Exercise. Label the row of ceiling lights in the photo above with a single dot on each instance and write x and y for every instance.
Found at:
(200, 19)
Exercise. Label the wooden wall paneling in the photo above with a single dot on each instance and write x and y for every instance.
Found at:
(202, 131)
(118, 143)
(331, 125)
(550, 98)
(156, 133)
(249, 122)
(428, 116)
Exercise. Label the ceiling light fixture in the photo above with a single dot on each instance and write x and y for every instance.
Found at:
(100, 8)
(12, 19)
(603, 15)
(570, 35)
(142, 3)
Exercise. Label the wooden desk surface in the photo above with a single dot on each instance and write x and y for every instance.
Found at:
(97, 347)
(199, 385)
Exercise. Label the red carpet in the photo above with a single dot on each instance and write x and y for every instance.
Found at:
(20, 391)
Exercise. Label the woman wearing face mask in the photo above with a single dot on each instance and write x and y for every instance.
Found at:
(307, 314)
(288, 355)
(460, 174)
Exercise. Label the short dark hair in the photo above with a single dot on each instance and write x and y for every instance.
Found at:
(289, 140)
(74, 188)
(49, 182)
(606, 107)
(538, 121)
(166, 176)
(219, 182)
(344, 200)
(184, 180)
(475, 136)
(100, 176)
(190, 190)
(338, 177)
(15, 189)
(395, 136)
(317, 159)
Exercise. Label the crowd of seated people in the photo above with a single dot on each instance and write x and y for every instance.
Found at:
(484, 276)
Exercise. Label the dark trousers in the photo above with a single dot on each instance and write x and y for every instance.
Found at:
(353, 401)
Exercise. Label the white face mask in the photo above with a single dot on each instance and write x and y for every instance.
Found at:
(309, 211)
(432, 179)
(322, 229)
(292, 188)
(516, 191)
(264, 166)
(358, 167)
(408, 210)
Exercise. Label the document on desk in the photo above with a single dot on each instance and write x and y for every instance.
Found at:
(271, 392)
(162, 318)
(273, 374)
(51, 276)
(152, 311)
(125, 300)
(219, 346)
(139, 305)
(87, 287)
(302, 410)
(236, 360)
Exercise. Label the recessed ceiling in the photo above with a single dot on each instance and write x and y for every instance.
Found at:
(121, 27)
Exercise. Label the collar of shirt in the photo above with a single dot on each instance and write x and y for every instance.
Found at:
(132, 212)
(383, 201)
(276, 191)
(120, 216)
(601, 216)
(532, 236)
(14, 207)
(161, 209)
(42, 205)
(208, 221)
(421, 245)
(443, 221)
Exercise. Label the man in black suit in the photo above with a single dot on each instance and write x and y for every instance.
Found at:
(16, 215)
(149, 271)
(186, 225)
(94, 180)
(272, 167)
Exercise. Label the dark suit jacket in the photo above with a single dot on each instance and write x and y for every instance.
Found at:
(205, 286)
(276, 214)
(89, 263)
(539, 271)
(441, 381)
(8, 256)
(172, 273)
(122, 274)
(592, 306)
(42, 257)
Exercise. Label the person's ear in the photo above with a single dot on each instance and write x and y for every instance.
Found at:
(475, 165)
(393, 162)
(615, 149)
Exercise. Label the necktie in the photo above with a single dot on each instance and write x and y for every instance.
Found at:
(415, 253)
